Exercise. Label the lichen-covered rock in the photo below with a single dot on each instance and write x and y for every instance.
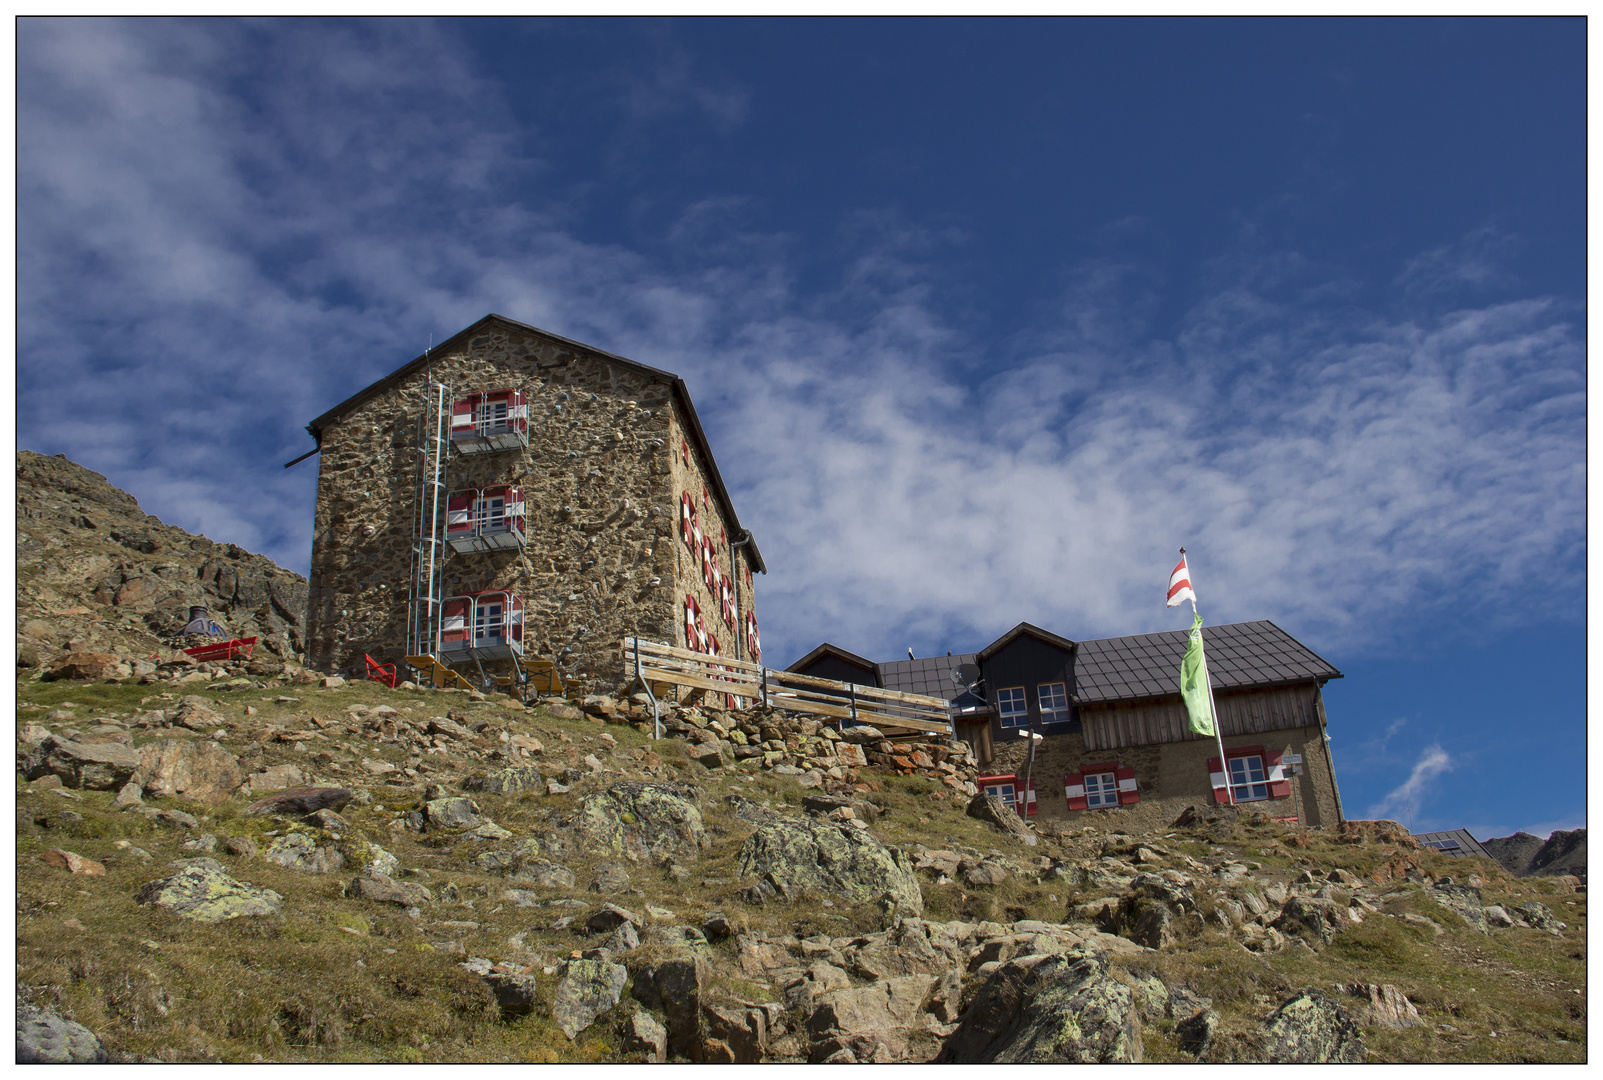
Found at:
(887, 1009)
(643, 1035)
(911, 947)
(298, 851)
(588, 989)
(1310, 1029)
(1062, 1008)
(451, 813)
(542, 872)
(641, 822)
(1312, 917)
(1538, 915)
(193, 769)
(820, 858)
(43, 1038)
(735, 1035)
(201, 891)
(1464, 900)
(511, 781)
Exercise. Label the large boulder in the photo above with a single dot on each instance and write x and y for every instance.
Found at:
(642, 822)
(1387, 1005)
(820, 858)
(588, 989)
(676, 987)
(380, 887)
(911, 947)
(43, 1038)
(86, 666)
(1062, 1008)
(997, 814)
(452, 812)
(201, 891)
(300, 800)
(1313, 917)
(1310, 1029)
(1465, 900)
(511, 781)
(888, 1012)
(193, 769)
(95, 766)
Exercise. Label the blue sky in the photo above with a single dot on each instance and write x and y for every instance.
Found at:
(984, 318)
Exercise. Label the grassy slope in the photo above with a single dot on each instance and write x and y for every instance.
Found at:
(333, 979)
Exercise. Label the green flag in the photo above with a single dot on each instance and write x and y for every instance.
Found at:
(1194, 683)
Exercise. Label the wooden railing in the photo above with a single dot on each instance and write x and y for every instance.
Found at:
(660, 666)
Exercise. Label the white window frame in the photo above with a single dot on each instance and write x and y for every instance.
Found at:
(489, 622)
(1009, 719)
(1008, 792)
(1101, 790)
(1247, 789)
(489, 514)
(490, 414)
(1056, 714)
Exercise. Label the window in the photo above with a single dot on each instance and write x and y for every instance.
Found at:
(1101, 790)
(487, 625)
(1103, 786)
(489, 415)
(489, 514)
(1054, 703)
(1247, 781)
(1011, 708)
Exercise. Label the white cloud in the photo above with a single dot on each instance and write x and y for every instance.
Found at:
(1408, 795)
(203, 273)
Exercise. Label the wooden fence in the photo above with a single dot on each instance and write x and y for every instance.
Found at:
(660, 666)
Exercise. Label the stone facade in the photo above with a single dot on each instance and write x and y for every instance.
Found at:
(602, 477)
(1170, 777)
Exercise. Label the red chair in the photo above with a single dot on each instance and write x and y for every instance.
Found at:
(377, 672)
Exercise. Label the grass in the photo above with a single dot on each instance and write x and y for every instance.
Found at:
(338, 980)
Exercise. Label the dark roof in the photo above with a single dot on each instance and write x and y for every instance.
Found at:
(697, 435)
(826, 649)
(1148, 665)
(1455, 842)
(931, 676)
(1033, 631)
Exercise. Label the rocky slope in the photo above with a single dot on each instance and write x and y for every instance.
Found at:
(1523, 855)
(96, 574)
(250, 862)
(273, 871)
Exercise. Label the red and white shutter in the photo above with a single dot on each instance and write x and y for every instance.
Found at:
(690, 622)
(754, 644)
(1028, 809)
(1074, 791)
(1219, 780)
(706, 563)
(1128, 794)
(514, 618)
(455, 617)
(462, 415)
(1275, 773)
(686, 519)
(514, 509)
(684, 449)
(459, 513)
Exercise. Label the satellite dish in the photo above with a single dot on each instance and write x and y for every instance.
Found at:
(966, 675)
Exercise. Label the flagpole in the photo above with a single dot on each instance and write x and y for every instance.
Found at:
(1218, 725)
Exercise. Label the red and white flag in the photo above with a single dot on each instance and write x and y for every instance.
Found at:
(1180, 585)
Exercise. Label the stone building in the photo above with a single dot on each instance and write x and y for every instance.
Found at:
(513, 495)
(1113, 746)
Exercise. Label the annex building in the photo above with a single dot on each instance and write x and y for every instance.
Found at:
(1114, 748)
(512, 497)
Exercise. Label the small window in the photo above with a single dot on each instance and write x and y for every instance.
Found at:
(1247, 779)
(489, 514)
(490, 414)
(1011, 708)
(1054, 703)
(1101, 790)
(1001, 791)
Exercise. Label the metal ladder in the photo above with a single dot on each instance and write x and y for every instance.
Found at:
(425, 592)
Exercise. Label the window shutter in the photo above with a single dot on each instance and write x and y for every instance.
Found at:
(1219, 780)
(1128, 794)
(1074, 791)
(1029, 801)
(686, 518)
(1275, 773)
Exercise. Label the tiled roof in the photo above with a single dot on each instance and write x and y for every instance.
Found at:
(1456, 842)
(1148, 665)
(931, 676)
